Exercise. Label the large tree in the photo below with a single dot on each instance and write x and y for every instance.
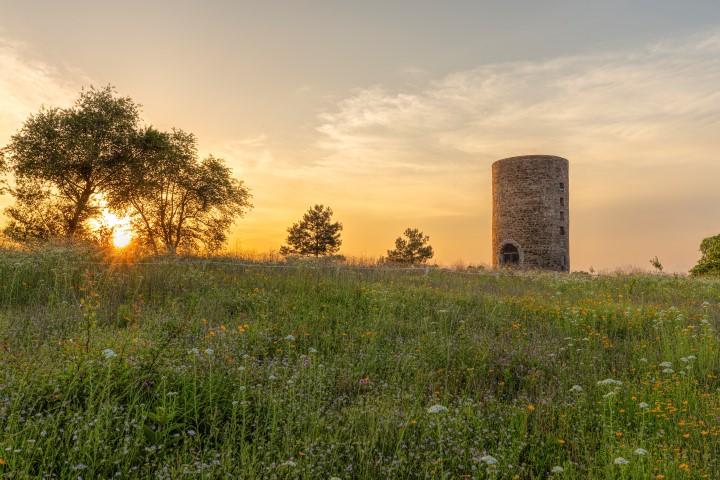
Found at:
(73, 156)
(414, 248)
(315, 234)
(709, 263)
(176, 202)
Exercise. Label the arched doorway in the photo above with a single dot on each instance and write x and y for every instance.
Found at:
(509, 255)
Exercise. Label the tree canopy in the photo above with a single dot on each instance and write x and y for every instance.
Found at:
(70, 164)
(709, 263)
(315, 234)
(72, 155)
(176, 202)
(414, 248)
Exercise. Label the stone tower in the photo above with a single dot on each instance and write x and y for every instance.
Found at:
(530, 223)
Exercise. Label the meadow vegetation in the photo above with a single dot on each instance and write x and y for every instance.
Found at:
(228, 368)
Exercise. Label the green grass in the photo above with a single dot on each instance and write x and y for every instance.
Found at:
(213, 368)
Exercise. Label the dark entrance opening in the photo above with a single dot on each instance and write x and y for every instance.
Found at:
(509, 255)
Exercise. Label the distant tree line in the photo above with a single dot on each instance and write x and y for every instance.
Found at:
(317, 235)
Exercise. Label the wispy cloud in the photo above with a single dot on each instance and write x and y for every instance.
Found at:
(27, 82)
(576, 105)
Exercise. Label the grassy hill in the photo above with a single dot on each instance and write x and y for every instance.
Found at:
(215, 368)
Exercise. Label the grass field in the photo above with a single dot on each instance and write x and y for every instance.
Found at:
(201, 368)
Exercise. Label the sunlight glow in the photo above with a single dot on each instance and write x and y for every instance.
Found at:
(122, 235)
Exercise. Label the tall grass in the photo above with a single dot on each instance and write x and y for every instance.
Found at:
(213, 368)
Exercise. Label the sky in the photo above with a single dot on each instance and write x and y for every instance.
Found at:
(392, 113)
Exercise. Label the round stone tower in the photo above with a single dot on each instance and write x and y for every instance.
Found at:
(530, 223)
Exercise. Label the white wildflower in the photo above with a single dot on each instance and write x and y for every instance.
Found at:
(312, 350)
(691, 357)
(640, 451)
(609, 381)
(621, 461)
(193, 351)
(668, 370)
(289, 463)
(290, 338)
(684, 360)
(557, 469)
(191, 432)
(209, 351)
(272, 377)
(489, 459)
(644, 360)
(437, 409)
(107, 353)
(576, 388)
(666, 364)
(644, 405)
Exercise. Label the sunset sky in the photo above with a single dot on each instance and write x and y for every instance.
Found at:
(392, 112)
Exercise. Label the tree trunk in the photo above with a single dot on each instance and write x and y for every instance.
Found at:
(80, 208)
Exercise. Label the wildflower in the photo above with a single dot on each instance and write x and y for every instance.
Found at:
(609, 381)
(666, 364)
(621, 461)
(609, 394)
(312, 350)
(437, 409)
(691, 357)
(193, 351)
(272, 377)
(2, 462)
(557, 469)
(289, 463)
(668, 370)
(576, 388)
(107, 353)
(684, 360)
(209, 351)
(290, 338)
(364, 381)
(644, 360)
(191, 432)
(644, 405)
(531, 407)
(489, 459)
(640, 451)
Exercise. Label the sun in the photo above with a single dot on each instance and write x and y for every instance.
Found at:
(122, 235)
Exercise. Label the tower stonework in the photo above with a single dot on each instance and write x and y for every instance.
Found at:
(531, 220)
